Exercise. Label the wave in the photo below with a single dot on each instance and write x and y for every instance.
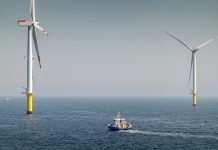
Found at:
(7, 126)
(169, 134)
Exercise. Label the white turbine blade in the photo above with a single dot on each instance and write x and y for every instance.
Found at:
(190, 70)
(179, 41)
(207, 42)
(41, 29)
(33, 77)
(36, 45)
(32, 10)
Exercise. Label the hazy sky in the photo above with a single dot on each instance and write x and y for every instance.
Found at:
(111, 47)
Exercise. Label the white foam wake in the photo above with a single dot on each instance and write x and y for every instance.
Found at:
(169, 134)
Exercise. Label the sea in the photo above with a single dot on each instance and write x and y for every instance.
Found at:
(81, 123)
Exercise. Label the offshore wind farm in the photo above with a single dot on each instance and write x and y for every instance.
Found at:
(104, 57)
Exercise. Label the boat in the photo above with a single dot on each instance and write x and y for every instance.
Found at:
(119, 123)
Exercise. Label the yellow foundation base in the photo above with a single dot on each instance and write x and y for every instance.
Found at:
(29, 103)
(194, 99)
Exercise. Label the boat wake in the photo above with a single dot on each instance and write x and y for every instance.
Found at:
(169, 134)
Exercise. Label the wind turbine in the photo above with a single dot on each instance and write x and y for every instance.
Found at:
(32, 37)
(193, 63)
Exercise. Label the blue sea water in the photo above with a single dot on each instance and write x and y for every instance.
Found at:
(81, 124)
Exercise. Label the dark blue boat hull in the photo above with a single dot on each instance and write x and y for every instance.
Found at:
(112, 128)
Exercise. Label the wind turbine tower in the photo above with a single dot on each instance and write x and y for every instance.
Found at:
(193, 64)
(32, 38)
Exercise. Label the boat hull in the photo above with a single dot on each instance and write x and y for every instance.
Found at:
(112, 128)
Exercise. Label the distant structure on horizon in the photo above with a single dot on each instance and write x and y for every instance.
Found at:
(32, 37)
(193, 64)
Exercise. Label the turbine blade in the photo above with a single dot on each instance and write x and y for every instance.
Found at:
(41, 29)
(206, 42)
(36, 45)
(32, 10)
(190, 70)
(33, 79)
(179, 41)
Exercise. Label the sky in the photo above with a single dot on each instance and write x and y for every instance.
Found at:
(111, 47)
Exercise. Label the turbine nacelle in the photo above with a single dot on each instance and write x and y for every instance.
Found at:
(22, 22)
(25, 23)
(195, 50)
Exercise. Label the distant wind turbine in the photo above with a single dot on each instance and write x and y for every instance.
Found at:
(193, 63)
(32, 37)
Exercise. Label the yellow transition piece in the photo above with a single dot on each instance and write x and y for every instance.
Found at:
(194, 99)
(29, 103)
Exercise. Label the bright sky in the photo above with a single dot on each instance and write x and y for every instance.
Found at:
(111, 47)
